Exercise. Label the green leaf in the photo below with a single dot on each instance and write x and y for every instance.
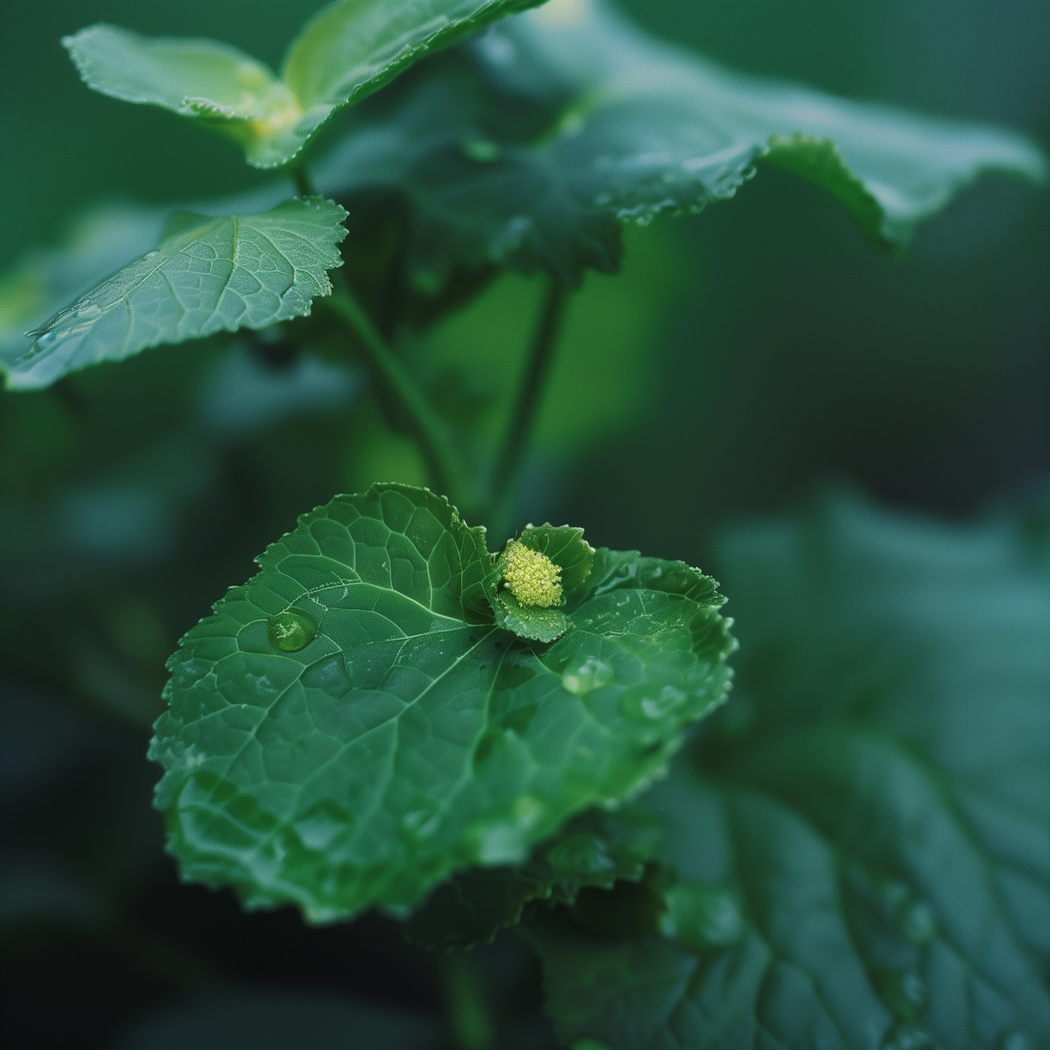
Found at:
(202, 79)
(860, 838)
(345, 52)
(350, 727)
(596, 849)
(527, 148)
(99, 242)
(212, 275)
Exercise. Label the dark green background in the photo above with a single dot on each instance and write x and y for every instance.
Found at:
(789, 351)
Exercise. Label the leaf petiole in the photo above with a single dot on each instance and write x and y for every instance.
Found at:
(444, 464)
(507, 471)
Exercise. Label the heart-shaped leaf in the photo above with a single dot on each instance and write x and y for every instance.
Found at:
(208, 275)
(345, 52)
(351, 726)
(861, 838)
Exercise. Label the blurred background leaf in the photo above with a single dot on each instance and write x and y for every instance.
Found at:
(741, 357)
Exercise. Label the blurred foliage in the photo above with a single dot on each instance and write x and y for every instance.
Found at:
(740, 357)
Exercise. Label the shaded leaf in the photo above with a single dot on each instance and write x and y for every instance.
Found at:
(596, 849)
(860, 839)
(246, 271)
(350, 727)
(526, 149)
(345, 52)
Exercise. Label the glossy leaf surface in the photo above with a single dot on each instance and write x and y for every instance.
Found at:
(556, 124)
(347, 51)
(351, 726)
(860, 838)
(210, 275)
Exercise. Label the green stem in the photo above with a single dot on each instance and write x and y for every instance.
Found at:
(507, 472)
(470, 1025)
(447, 473)
(303, 182)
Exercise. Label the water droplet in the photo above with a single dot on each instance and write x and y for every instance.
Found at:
(329, 676)
(498, 842)
(1012, 1039)
(906, 1037)
(581, 854)
(291, 631)
(319, 827)
(702, 917)
(420, 823)
(483, 151)
(45, 339)
(917, 922)
(904, 992)
(583, 675)
(647, 707)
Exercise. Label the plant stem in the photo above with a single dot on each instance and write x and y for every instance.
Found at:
(447, 473)
(303, 182)
(469, 1022)
(507, 472)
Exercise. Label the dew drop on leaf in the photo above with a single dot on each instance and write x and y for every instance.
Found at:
(649, 707)
(917, 922)
(328, 675)
(584, 674)
(482, 151)
(702, 917)
(904, 992)
(291, 631)
(907, 1037)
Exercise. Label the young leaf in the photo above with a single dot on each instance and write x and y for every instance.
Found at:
(558, 123)
(347, 51)
(209, 275)
(861, 838)
(202, 79)
(351, 726)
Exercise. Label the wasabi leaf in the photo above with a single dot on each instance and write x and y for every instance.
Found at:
(529, 146)
(860, 837)
(210, 275)
(345, 52)
(351, 726)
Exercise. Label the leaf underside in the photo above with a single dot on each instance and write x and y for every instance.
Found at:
(595, 850)
(529, 145)
(410, 736)
(209, 275)
(860, 839)
(346, 52)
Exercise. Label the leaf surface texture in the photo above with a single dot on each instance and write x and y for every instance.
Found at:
(861, 838)
(209, 275)
(351, 726)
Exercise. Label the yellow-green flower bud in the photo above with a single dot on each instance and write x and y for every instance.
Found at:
(531, 576)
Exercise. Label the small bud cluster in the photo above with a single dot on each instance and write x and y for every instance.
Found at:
(531, 576)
